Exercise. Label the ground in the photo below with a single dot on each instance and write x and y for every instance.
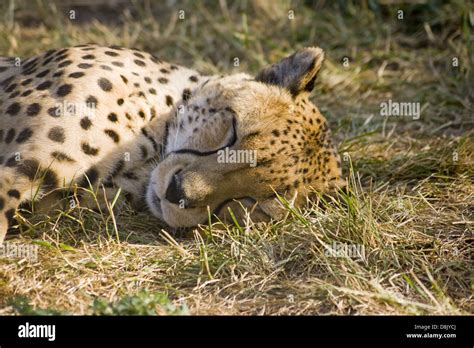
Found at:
(409, 222)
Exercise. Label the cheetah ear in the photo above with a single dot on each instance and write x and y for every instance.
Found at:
(297, 73)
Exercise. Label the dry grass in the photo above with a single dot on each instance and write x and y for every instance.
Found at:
(412, 200)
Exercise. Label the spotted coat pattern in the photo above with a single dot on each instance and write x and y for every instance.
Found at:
(90, 116)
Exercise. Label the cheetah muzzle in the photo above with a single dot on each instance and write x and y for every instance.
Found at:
(185, 144)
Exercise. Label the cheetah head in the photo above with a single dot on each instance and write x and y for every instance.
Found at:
(240, 141)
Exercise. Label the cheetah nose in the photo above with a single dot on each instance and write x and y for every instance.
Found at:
(174, 192)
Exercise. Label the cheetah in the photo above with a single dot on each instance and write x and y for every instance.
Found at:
(121, 120)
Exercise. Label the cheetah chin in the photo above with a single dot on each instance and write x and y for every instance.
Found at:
(184, 145)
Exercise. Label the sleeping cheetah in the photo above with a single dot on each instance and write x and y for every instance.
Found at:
(170, 138)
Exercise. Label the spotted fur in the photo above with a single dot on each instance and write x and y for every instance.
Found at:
(122, 118)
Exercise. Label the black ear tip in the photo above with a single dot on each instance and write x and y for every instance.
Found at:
(308, 52)
(297, 72)
(314, 57)
(313, 51)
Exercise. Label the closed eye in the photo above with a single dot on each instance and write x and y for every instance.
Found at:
(231, 143)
